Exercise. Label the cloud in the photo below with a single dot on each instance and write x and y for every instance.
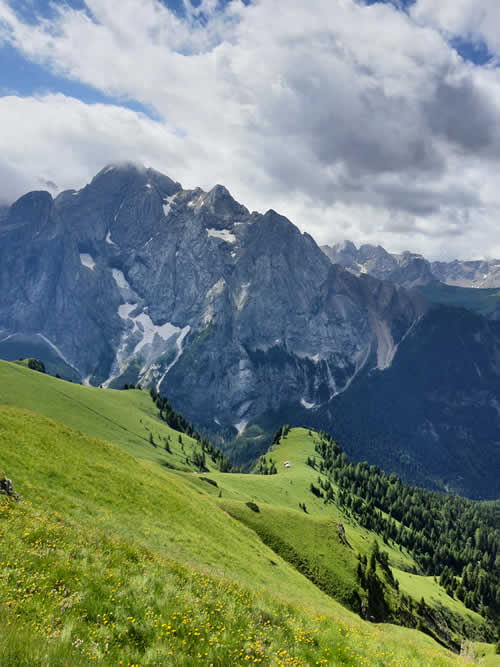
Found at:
(462, 114)
(61, 140)
(350, 119)
(475, 20)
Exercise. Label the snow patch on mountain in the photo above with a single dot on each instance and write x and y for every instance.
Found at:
(225, 235)
(109, 240)
(241, 297)
(241, 426)
(197, 202)
(332, 385)
(149, 330)
(180, 349)
(217, 288)
(140, 333)
(119, 278)
(167, 204)
(87, 260)
(119, 209)
(56, 350)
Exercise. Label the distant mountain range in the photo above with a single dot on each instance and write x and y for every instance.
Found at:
(411, 270)
(243, 322)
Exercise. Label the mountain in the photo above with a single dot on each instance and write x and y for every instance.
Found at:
(408, 269)
(238, 318)
(412, 270)
(434, 409)
(479, 273)
(461, 284)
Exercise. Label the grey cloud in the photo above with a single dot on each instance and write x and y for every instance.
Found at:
(345, 119)
(425, 201)
(49, 185)
(463, 115)
(364, 135)
(374, 139)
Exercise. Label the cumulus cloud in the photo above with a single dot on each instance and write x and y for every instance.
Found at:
(353, 120)
(475, 20)
(56, 139)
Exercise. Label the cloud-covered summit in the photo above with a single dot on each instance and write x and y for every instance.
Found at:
(359, 120)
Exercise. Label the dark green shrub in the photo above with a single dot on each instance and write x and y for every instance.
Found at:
(253, 506)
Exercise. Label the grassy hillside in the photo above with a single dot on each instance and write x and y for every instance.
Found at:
(311, 541)
(291, 486)
(108, 558)
(112, 557)
(127, 418)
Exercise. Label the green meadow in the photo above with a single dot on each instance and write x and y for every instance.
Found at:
(126, 418)
(113, 557)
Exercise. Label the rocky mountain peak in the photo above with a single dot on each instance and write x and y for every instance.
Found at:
(219, 203)
(117, 177)
(35, 209)
(37, 203)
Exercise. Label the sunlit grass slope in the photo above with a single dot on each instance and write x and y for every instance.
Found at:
(291, 486)
(310, 541)
(127, 418)
(111, 559)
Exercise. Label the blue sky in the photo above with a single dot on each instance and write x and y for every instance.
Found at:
(374, 120)
(21, 76)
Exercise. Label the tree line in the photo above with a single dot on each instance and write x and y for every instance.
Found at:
(449, 537)
(179, 423)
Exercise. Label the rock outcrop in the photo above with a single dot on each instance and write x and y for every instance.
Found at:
(7, 489)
